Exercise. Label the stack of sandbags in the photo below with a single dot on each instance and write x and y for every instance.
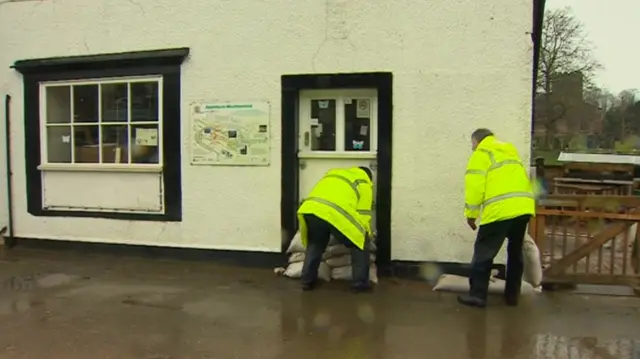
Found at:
(338, 258)
(336, 261)
(296, 260)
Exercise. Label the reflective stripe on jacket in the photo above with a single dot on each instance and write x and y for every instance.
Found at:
(497, 186)
(343, 198)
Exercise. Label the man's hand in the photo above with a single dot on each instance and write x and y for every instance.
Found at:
(472, 223)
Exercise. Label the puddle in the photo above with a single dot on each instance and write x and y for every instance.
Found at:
(29, 282)
(110, 290)
(18, 306)
(55, 280)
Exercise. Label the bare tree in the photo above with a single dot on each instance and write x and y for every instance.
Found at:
(564, 49)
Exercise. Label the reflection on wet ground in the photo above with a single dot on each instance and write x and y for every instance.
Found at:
(62, 305)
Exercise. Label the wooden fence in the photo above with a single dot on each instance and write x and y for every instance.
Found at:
(589, 239)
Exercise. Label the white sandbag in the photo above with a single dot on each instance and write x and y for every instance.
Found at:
(371, 246)
(339, 261)
(345, 273)
(532, 262)
(296, 257)
(294, 270)
(296, 244)
(335, 251)
(345, 260)
(459, 284)
(333, 241)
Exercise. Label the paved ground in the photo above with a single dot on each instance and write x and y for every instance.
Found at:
(70, 306)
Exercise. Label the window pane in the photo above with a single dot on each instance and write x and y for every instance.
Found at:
(115, 102)
(59, 144)
(115, 139)
(85, 103)
(357, 122)
(85, 141)
(144, 144)
(323, 125)
(144, 101)
(58, 104)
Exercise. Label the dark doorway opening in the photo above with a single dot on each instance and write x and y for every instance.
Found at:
(291, 87)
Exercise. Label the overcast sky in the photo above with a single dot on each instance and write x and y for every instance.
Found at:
(611, 26)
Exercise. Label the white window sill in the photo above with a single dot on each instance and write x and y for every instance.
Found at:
(338, 155)
(103, 167)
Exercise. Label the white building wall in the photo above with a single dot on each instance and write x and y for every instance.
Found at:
(456, 66)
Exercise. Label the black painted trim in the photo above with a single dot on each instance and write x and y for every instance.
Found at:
(291, 87)
(165, 63)
(232, 257)
(151, 58)
(536, 37)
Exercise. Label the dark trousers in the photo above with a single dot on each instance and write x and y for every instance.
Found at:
(318, 235)
(488, 243)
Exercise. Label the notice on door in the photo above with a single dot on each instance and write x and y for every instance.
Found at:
(363, 110)
(230, 134)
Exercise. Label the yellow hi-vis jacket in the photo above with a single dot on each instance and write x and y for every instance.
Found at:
(497, 186)
(343, 198)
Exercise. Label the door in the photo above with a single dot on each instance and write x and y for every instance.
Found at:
(338, 129)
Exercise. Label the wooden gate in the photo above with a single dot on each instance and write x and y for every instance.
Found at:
(589, 239)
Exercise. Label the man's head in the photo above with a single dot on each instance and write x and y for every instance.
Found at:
(478, 135)
(367, 171)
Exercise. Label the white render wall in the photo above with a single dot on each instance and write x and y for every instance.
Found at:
(457, 65)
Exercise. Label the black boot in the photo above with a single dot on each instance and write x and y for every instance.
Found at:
(361, 288)
(471, 301)
(511, 300)
(307, 286)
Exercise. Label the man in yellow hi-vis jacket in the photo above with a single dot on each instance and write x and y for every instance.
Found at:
(499, 192)
(338, 205)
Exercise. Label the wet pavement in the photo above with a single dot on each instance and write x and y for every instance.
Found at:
(68, 306)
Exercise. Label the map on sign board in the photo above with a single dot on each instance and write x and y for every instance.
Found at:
(232, 134)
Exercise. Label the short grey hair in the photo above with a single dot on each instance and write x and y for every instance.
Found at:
(480, 134)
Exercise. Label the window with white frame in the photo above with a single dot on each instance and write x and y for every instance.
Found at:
(338, 121)
(106, 121)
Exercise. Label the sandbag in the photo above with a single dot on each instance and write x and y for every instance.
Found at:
(371, 246)
(294, 270)
(296, 244)
(335, 250)
(459, 284)
(345, 273)
(345, 260)
(532, 262)
(296, 257)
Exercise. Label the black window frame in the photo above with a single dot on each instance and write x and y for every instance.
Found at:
(166, 63)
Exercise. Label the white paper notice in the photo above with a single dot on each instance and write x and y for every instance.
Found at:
(363, 130)
(314, 122)
(362, 110)
(146, 136)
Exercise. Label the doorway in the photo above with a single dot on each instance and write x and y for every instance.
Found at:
(330, 121)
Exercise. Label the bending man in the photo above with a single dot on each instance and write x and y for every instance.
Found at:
(498, 190)
(338, 205)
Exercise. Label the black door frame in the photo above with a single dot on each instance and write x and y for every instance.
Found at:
(291, 87)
